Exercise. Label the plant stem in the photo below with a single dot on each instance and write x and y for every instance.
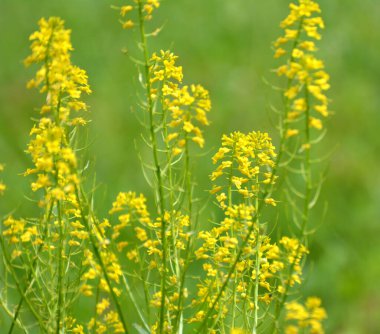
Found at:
(18, 285)
(99, 257)
(158, 172)
(60, 269)
(257, 269)
(231, 271)
(284, 122)
(30, 273)
(306, 210)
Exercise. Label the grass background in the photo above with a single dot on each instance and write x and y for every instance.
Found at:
(226, 46)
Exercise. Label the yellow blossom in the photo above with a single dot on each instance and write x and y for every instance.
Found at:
(306, 73)
(128, 24)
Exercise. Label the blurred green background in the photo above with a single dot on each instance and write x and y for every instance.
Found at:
(226, 46)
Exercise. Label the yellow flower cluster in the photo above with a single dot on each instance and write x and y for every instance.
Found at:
(107, 320)
(18, 233)
(146, 7)
(109, 260)
(55, 163)
(145, 246)
(308, 317)
(295, 252)
(219, 249)
(136, 216)
(2, 185)
(56, 167)
(54, 160)
(134, 211)
(58, 77)
(262, 262)
(251, 156)
(187, 105)
(244, 273)
(72, 326)
(307, 79)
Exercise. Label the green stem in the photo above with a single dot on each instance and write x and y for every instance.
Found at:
(99, 258)
(231, 271)
(158, 172)
(17, 322)
(95, 311)
(18, 285)
(188, 190)
(257, 269)
(30, 273)
(60, 269)
(306, 210)
(284, 124)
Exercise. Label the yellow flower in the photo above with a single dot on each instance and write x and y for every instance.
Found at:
(78, 329)
(291, 133)
(102, 306)
(315, 123)
(128, 24)
(306, 73)
(187, 105)
(2, 188)
(51, 47)
(188, 127)
(141, 234)
(237, 331)
(308, 316)
(252, 154)
(125, 9)
(270, 201)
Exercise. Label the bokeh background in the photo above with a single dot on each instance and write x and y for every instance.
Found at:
(226, 46)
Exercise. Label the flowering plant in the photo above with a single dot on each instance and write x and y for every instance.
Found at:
(156, 267)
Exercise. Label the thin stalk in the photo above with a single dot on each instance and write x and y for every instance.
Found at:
(158, 172)
(17, 312)
(127, 287)
(95, 311)
(101, 263)
(144, 280)
(135, 304)
(284, 124)
(188, 190)
(60, 269)
(308, 182)
(257, 270)
(231, 271)
(169, 177)
(12, 315)
(188, 177)
(30, 274)
(230, 176)
(306, 209)
(18, 285)
(232, 233)
(234, 298)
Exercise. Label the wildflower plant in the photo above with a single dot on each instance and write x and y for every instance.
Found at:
(160, 267)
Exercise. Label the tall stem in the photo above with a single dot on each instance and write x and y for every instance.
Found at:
(85, 220)
(22, 291)
(257, 269)
(30, 273)
(231, 271)
(188, 190)
(284, 124)
(306, 209)
(158, 172)
(60, 269)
